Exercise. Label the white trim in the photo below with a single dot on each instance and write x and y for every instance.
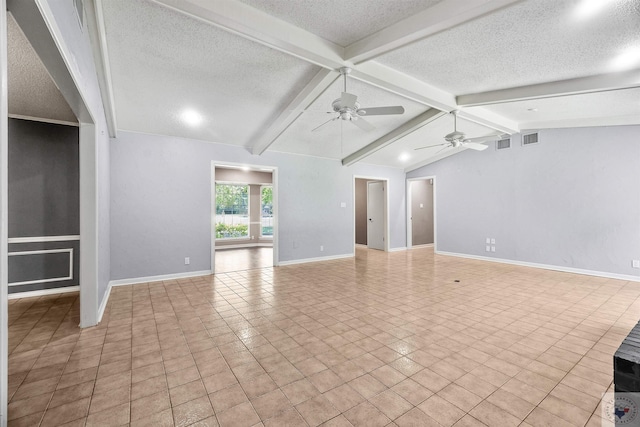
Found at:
(4, 247)
(274, 183)
(400, 249)
(40, 252)
(43, 292)
(98, 37)
(160, 278)
(103, 304)
(43, 120)
(386, 208)
(245, 245)
(545, 266)
(409, 224)
(42, 239)
(426, 245)
(318, 259)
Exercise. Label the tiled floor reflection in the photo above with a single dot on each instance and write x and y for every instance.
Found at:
(385, 339)
(228, 260)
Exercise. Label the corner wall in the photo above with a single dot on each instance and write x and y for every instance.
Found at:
(570, 202)
(160, 204)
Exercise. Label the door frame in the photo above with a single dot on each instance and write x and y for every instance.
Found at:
(274, 183)
(385, 210)
(410, 221)
(4, 246)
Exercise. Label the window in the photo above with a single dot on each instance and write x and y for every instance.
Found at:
(266, 211)
(232, 211)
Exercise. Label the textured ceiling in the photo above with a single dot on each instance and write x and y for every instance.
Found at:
(530, 42)
(32, 93)
(340, 138)
(430, 135)
(163, 62)
(339, 21)
(242, 65)
(613, 105)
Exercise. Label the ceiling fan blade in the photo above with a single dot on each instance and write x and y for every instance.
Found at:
(381, 111)
(318, 127)
(475, 146)
(364, 125)
(348, 100)
(431, 146)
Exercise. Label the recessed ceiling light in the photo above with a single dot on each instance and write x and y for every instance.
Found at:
(245, 168)
(191, 117)
(404, 157)
(588, 8)
(629, 58)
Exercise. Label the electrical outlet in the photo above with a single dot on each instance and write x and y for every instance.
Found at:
(636, 263)
(487, 241)
(321, 248)
(343, 204)
(493, 241)
(487, 248)
(493, 248)
(252, 237)
(187, 261)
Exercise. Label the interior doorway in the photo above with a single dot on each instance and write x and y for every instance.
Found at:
(244, 217)
(421, 225)
(371, 213)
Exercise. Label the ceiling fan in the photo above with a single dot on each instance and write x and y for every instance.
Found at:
(457, 139)
(348, 108)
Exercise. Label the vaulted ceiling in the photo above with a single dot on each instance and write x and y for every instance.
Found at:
(262, 74)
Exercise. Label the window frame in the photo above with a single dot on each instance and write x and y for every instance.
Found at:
(240, 184)
(262, 236)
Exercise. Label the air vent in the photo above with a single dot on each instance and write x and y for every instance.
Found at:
(502, 144)
(530, 138)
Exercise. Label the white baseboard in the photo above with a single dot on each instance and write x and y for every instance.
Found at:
(244, 245)
(400, 249)
(426, 245)
(43, 292)
(135, 280)
(105, 300)
(546, 266)
(306, 260)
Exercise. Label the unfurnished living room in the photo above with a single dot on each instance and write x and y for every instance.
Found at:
(319, 212)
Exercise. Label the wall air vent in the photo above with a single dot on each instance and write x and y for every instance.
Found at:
(504, 143)
(530, 138)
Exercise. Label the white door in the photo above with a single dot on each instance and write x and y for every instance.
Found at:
(375, 215)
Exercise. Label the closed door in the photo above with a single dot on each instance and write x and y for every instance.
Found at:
(375, 215)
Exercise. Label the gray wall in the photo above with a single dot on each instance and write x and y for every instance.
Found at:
(361, 211)
(571, 201)
(421, 212)
(254, 179)
(153, 179)
(43, 201)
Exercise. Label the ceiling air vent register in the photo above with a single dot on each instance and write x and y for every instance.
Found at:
(530, 138)
(502, 144)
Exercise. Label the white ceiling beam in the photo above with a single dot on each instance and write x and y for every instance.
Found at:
(440, 17)
(599, 83)
(302, 101)
(394, 81)
(400, 132)
(260, 27)
(263, 28)
(630, 119)
(95, 23)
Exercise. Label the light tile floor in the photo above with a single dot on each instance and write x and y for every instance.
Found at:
(228, 260)
(406, 338)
